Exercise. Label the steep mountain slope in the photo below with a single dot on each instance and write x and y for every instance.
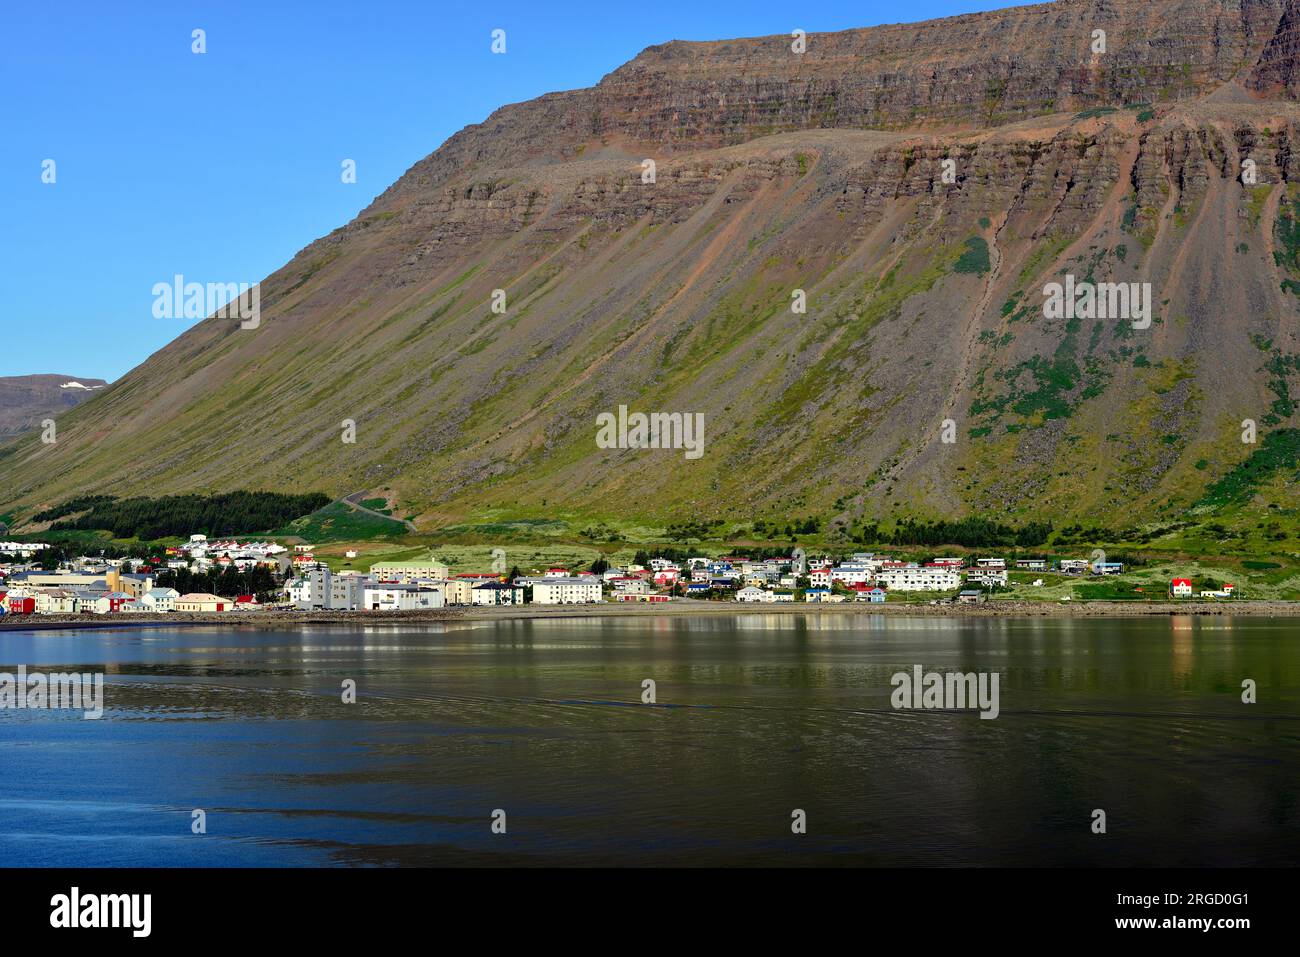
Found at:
(776, 172)
(26, 400)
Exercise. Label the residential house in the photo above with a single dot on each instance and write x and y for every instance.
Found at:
(1224, 592)
(160, 600)
(107, 603)
(56, 601)
(947, 563)
(852, 573)
(203, 602)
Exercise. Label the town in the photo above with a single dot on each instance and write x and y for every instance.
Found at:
(289, 578)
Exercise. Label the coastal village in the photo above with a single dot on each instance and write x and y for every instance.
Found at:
(112, 586)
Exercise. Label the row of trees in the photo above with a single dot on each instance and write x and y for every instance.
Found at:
(973, 532)
(230, 513)
(228, 582)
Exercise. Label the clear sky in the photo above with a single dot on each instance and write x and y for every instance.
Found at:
(221, 166)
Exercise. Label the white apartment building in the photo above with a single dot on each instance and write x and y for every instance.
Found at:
(565, 591)
(917, 578)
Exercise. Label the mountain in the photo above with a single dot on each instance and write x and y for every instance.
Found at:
(26, 400)
(923, 185)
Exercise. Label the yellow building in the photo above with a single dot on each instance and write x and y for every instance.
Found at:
(428, 570)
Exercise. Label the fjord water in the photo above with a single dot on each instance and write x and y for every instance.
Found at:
(756, 715)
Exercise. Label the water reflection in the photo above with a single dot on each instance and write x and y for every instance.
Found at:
(755, 714)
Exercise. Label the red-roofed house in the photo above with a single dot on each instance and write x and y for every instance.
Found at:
(1181, 588)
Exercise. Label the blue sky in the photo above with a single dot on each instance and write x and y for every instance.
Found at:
(221, 166)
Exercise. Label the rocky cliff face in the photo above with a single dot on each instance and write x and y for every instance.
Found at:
(969, 71)
(921, 186)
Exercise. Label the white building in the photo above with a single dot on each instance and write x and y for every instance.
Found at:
(917, 578)
(400, 598)
(566, 591)
(751, 594)
(160, 600)
(22, 549)
(56, 601)
(853, 573)
(994, 579)
(321, 589)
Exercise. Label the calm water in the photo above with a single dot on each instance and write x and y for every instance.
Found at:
(756, 715)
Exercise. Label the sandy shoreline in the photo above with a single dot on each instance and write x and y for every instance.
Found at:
(994, 609)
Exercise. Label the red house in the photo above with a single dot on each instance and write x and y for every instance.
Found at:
(21, 606)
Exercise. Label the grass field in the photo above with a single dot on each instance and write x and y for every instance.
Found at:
(337, 522)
